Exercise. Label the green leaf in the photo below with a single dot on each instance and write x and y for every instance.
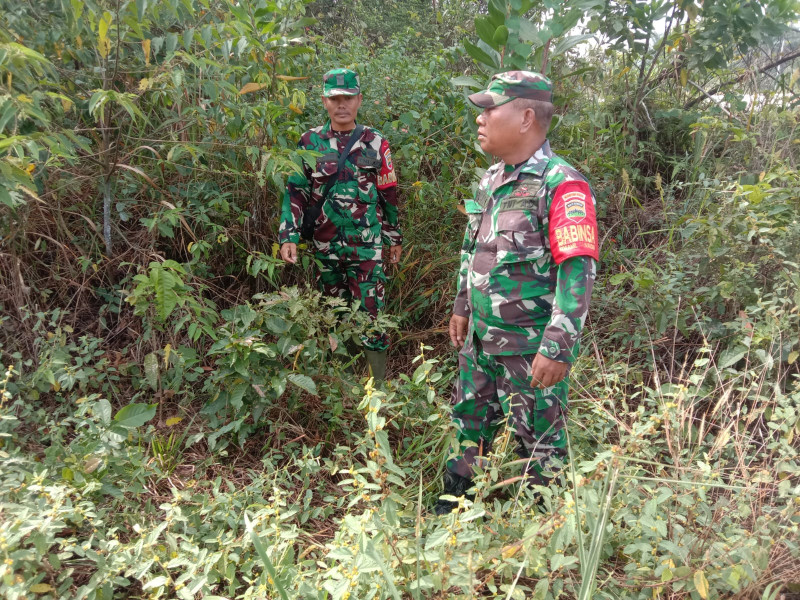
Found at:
(262, 553)
(570, 42)
(500, 37)
(497, 12)
(163, 284)
(466, 81)
(479, 55)
(237, 394)
(188, 38)
(8, 111)
(485, 30)
(151, 370)
(102, 410)
(141, 6)
(157, 582)
(437, 538)
(387, 573)
(529, 33)
(277, 325)
(619, 278)
(730, 357)
(172, 42)
(135, 415)
(304, 382)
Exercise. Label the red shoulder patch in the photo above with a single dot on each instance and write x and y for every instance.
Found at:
(573, 223)
(386, 177)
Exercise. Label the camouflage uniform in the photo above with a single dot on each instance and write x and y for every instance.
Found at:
(358, 217)
(526, 275)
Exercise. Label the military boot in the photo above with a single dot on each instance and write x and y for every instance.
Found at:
(454, 485)
(377, 363)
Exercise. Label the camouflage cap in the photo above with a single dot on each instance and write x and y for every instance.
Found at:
(340, 82)
(504, 87)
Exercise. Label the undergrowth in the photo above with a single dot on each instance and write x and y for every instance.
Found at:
(181, 417)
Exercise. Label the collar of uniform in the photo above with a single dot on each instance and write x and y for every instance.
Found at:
(327, 131)
(538, 162)
(497, 175)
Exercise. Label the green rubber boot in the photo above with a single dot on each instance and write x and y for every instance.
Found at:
(377, 363)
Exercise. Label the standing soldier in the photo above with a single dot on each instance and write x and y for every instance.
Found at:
(528, 264)
(347, 205)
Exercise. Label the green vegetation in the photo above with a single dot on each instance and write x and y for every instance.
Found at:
(180, 417)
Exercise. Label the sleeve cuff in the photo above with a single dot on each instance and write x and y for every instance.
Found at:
(460, 307)
(555, 351)
(392, 238)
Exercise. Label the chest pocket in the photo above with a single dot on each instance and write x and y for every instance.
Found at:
(519, 237)
(325, 167)
(474, 212)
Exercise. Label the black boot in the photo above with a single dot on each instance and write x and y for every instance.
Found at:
(454, 485)
(377, 364)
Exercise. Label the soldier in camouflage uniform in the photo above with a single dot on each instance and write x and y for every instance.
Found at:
(360, 213)
(528, 264)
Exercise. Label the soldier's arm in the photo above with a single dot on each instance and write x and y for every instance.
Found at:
(575, 280)
(387, 190)
(572, 230)
(295, 200)
(461, 304)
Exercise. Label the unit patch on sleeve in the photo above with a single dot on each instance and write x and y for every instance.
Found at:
(573, 224)
(575, 206)
(386, 176)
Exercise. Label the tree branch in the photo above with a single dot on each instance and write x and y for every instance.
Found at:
(772, 65)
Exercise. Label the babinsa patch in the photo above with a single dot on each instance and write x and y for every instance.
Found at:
(575, 206)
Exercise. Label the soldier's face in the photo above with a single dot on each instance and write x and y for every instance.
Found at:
(499, 129)
(342, 110)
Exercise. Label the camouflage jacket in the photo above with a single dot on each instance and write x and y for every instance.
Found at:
(528, 258)
(361, 209)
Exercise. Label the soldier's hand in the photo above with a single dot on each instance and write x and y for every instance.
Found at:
(458, 330)
(546, 372)
(289, 252)
(394, 253)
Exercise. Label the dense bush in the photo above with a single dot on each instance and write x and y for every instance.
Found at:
(182, 417)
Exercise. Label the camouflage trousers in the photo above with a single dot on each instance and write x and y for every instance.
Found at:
(492, 391)
(362, 280)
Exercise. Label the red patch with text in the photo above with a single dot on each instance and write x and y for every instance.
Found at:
(573, 224)
(386, 176)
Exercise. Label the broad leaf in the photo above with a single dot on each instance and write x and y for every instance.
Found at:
(252, 87)
(570, 42)
(466, 81)
(102, 410)
(701, 584)
(304, 382)
(500, 37)
(485, 30)
(141, 7)
(528, 32)
(151, 370)
(479, 55)
(135, 415)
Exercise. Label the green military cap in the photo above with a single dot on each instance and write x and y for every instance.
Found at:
(504, 87)
(340, 82)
